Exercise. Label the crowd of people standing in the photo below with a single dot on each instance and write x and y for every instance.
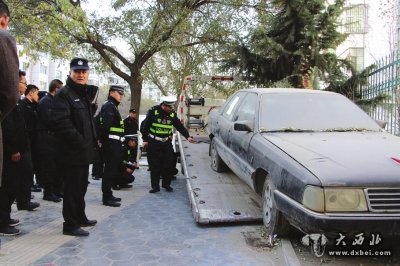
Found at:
(53, 137)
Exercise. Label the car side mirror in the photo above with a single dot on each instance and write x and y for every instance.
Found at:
(244, 126)
(381, 123)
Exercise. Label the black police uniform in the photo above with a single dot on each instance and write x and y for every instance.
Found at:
(72, 121)
(157, 131)
(17, 175)
(29, 110)
(131, 127)
(46, 148)
(129, 161)
(111, 137)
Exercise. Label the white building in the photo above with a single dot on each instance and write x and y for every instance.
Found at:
(372, 26)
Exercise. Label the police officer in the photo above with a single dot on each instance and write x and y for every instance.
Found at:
(131, 123)
(72, 121)
(129, 164)
(157, 136)
(47, 143)
(111, 138)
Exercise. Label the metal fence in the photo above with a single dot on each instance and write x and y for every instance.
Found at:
(385, 80)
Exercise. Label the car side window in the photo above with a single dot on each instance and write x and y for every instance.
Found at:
(248, 107)
(231, 107)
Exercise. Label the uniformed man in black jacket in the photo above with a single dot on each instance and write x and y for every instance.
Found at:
(72, 121)
(131, 126)
(157, 133)
(129, 164)
(46, 146)
(17, 171)
(131, 123)
(111, 138)
(28, 107)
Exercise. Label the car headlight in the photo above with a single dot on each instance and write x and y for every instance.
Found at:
(345, 200)
(334, 199)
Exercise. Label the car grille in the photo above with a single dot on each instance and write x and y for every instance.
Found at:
(383, 199)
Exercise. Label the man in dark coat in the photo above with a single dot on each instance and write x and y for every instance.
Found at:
(157, 133)
(28, 106)
(111, 138)
(8, 72)
(17, 170)
(46, 147)
(72, 121)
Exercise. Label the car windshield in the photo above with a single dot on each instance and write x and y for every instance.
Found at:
(308, 112)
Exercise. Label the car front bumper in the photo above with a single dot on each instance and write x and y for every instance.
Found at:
(331, 224)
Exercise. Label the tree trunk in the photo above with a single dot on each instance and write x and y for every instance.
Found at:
(135, 84)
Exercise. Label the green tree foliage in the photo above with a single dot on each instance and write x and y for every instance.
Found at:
(147, 27)
(292, 38)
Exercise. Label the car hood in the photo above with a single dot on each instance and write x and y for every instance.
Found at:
(344, 158)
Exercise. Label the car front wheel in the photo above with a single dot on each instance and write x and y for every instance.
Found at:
(274, 221)
(216, 162)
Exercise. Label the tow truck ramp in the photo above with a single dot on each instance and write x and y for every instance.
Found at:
(215, 197)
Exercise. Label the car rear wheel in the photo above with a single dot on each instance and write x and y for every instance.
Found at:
(216, 162)
(273, 219)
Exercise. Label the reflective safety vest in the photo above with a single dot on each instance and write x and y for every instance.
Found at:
(113, 130)
(162, 126)
(118, 130)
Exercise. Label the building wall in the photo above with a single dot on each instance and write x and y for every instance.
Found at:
(379, 37)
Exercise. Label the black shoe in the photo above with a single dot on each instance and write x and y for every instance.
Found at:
(89, 223)
(75, 232)
(115, 187)
(36, 188)
(13, 222)
(115, 199)
(95, 177)
(154, 190)
(125, 186)
(30, 206)
(169, 189)
(52, 197)
(111, 203)
(60, 195)
(9, 231)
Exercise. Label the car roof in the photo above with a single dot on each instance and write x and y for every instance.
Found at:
(285, 90)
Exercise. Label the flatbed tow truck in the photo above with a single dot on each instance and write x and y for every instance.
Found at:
(215, 197)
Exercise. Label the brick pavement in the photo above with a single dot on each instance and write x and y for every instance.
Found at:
(148, 229)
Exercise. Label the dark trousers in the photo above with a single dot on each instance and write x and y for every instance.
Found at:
(160, 156)
(98, 168)
(75, 186)
(50, 178)
(8, 189)
(24, 169)
(112, 153)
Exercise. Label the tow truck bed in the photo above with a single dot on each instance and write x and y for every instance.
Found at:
(215, 197)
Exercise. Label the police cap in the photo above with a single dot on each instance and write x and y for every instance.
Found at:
(118, 89)
(79, 64)
(132, 110)
(168, 100)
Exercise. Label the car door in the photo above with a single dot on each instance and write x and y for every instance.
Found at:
(240, 140)
(225, 126)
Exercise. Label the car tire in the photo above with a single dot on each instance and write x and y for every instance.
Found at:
(216, 162)
(273, 219)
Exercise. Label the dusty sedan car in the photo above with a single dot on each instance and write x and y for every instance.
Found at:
(317, 160)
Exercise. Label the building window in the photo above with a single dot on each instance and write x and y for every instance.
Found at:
(354, 19)
(356, 57)
(43, 86)
(59, 74)
(43, 69)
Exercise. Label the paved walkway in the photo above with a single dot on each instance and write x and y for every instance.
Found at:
(148, 229)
